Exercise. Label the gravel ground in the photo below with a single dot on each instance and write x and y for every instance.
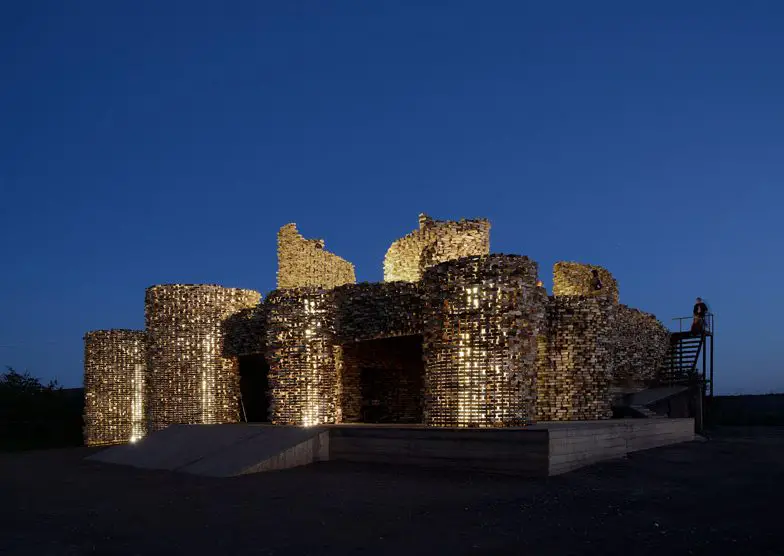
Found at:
(717, 497)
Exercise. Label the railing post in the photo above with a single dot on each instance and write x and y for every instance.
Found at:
(704, 360)
(680, 355)
(713, 336)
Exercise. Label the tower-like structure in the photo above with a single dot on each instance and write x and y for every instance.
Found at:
(191, 378)
(115, 386)
(484, 314)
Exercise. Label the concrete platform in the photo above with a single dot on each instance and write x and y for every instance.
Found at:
(222, 450)
(577, 444)
(537, 451)
(541, 450)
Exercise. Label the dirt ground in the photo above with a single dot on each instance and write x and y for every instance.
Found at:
(723, 496)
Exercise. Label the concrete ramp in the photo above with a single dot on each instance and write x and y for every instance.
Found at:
(658, 402)
(653, 395)
(222, 450)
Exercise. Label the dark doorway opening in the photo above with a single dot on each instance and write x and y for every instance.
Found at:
(383, 380)
(254, 401)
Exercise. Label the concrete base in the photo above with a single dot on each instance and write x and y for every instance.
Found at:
(540, 450)
(222, 450)
(577, 444)
(513, 450)
(537, 451)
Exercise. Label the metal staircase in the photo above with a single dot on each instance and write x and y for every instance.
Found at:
(685, 379)
(690, 358)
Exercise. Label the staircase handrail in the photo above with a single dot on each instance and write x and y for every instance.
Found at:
(708, 328)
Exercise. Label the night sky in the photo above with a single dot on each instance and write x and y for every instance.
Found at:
(160, 141)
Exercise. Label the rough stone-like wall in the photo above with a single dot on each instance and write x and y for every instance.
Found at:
(244, 332)
(398, 393)
(574, 382)
(302, 378)
(114, 386)
(641, 344)
(369, 311)
(482, 319)
(348, 396)
(401, 262)
(544, 375)
(190, 380)
(571, 278)
(372, 311)
(304, 263)
(435, 241)
(394, 377)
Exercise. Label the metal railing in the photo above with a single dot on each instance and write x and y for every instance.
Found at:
(705, 352)
(707, 327)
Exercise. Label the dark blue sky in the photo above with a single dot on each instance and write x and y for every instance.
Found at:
(160, 141)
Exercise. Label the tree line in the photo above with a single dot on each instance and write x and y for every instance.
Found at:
(37, 415)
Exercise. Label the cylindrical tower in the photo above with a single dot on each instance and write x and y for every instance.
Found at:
(302, 376)
(114, 386)
(191, 377)
(482, 318)
(574, 382)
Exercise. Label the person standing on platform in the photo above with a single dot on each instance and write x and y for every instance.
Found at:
(700, 312)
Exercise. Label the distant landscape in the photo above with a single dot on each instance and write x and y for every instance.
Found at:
(753, 410)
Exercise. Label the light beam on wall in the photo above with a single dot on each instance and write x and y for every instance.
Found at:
(114, 386)
(192, 378)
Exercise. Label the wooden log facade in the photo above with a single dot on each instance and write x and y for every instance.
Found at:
(454, 336)
(189, 375)
(115, 386)
(483, 315)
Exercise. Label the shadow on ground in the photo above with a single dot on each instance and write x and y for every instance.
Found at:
(716, 497)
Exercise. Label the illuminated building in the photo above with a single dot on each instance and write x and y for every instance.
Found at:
(454, 336)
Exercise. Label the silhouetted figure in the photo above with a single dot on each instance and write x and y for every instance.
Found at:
(700, 312)
(596, 282)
